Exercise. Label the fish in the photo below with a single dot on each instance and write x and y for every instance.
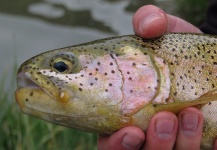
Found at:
(107, 84)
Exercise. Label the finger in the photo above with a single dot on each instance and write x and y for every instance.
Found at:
(128, 138)
(150, 21)
(161, 133)
(190, 129)
(215, 145)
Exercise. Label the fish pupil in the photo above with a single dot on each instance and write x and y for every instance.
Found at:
(60, 66)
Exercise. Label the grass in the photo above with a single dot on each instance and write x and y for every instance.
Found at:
(193, 11)
(21, 132)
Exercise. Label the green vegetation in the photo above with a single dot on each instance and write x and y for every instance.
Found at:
(193, 11)
(21, 132)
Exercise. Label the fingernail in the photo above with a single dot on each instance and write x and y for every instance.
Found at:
(164, 128)
(132, 142)
(148, 20)
(189, 124)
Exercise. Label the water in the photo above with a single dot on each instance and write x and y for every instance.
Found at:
(31, 27)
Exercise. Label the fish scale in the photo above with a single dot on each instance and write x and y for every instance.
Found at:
(189, 71)
(105, 85)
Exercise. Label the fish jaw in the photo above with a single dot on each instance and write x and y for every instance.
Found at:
(42, 106)
(37, 81)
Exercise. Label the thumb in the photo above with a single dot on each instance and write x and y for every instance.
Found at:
(150, 21)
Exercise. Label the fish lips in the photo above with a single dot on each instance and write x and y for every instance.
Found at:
(36, 82)
(24, 80)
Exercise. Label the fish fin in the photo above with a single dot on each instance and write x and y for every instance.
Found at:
(176, 107)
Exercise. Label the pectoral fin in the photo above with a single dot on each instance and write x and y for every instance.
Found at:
(178, 106)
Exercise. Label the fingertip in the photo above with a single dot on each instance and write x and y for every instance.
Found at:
(133, 138)
(149, 22)
(126, 138)
(162, 131)
(190, 128)
(192, 110)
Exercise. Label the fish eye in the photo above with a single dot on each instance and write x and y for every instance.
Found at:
(64, 62)
(60, 66)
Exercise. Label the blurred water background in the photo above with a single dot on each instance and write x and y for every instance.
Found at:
(30, 27)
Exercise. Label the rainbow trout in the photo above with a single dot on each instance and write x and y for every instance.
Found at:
(105, 85)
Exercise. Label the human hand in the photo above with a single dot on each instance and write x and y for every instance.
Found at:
(150, 21)
(166, 131)
(179, 132)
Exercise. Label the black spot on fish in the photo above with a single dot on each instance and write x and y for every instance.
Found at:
(112, 56)
(183, 87)
(110, 84)
(31, 94)
(80, 89)
(98, 63)
(27, 99)
(112, 71)
(116, 55)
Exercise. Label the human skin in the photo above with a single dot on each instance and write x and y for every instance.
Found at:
(166, 131)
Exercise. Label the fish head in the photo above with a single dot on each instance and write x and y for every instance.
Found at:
(73, 87)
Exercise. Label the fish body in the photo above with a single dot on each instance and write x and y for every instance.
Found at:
(105, 85)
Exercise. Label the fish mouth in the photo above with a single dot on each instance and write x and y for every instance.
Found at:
(24, 80)
(31, 95)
